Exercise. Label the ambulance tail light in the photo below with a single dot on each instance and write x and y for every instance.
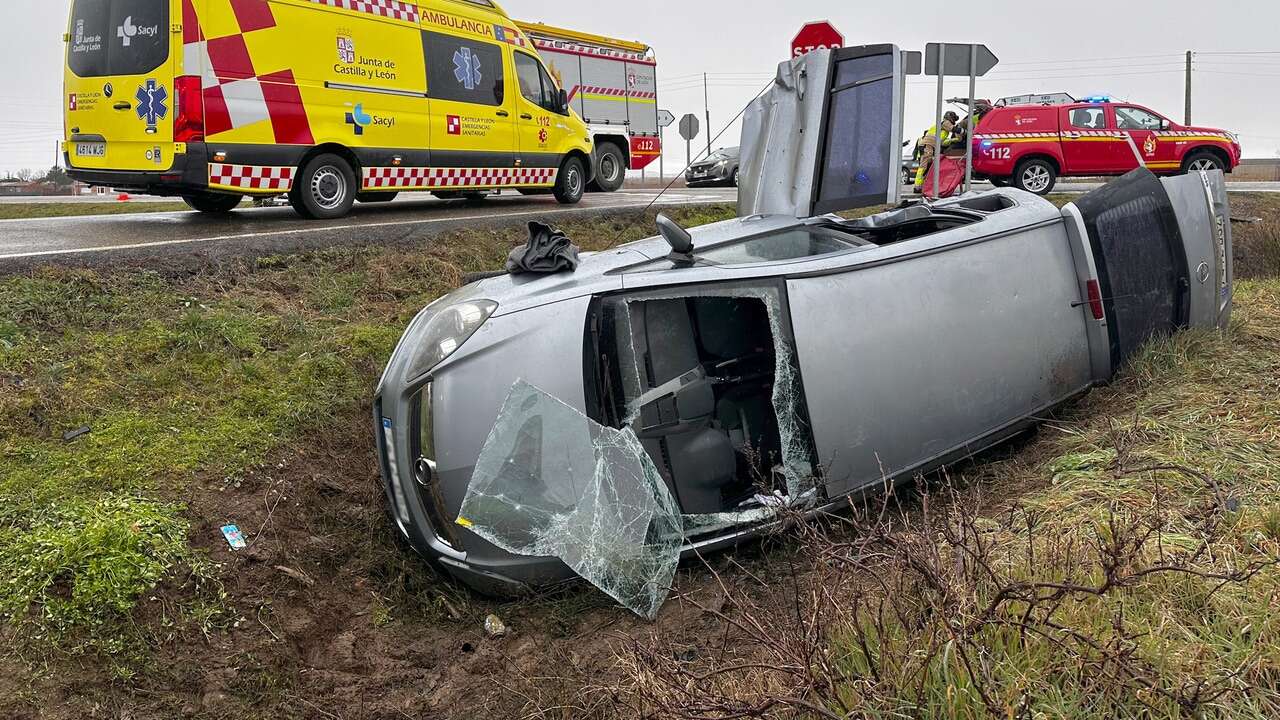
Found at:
(188, 122)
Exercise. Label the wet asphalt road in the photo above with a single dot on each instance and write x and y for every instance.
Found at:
(103, 238)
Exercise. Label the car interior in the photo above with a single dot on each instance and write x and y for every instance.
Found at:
(694, 378)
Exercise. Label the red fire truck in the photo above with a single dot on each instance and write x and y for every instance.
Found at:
(1031, 145)
(613, 86)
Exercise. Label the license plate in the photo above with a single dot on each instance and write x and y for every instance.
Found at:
(96, 149)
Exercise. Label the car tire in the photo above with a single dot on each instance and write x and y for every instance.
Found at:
(1036, 176)
(325, 189)
(213, 203)
(1202, 160)
(999, 181)
(611, 168)
(733, 179)
(376, 197)
(571, 182)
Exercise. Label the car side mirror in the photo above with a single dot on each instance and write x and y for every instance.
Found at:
(679, 239)
(1164, 124)
(563, 99)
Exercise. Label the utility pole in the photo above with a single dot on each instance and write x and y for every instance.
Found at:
(706, 104)
(1187, 117)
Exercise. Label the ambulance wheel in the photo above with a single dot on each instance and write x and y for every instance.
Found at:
(571, 182)
(1035, 176)
(376, 197)
(1201, 160)
(611, 168)
(213, 203)
(325, 189)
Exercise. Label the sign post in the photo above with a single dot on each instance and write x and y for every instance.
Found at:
(665, 118)
(689, 131)
(942, 60)
(817, 35)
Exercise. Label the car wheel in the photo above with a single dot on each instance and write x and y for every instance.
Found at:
(571, 182)
(999, 181)
(733, 179)
(1201, 161)
(213, 203)
(611, 168)
(376, 197)
(1035, 176)
(325, 189)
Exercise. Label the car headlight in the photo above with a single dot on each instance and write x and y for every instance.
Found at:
(446, 331)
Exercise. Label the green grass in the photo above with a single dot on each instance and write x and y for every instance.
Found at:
(183, 380)
(20, 211)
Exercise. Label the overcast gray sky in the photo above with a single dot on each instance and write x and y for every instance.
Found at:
(1132, 50)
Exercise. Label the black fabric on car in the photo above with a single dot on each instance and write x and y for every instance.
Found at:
(1142, 263)
(548, 251)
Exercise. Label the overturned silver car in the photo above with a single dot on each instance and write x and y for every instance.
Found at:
(674, 393)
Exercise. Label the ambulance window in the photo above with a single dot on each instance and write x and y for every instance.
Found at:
(464, 70)
(1128, 118)
(118, 37)
(530, 81)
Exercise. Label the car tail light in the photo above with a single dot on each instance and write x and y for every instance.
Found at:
(188, 122)
(1095, 300)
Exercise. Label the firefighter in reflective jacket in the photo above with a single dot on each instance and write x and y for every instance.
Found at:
(927, 146)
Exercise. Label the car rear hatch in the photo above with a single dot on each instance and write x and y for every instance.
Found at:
(1163, 254)
(119, 95)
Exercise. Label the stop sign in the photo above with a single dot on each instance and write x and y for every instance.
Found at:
(816, 36)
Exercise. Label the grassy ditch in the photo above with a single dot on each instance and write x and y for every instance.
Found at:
(238, 393)
(178, 383)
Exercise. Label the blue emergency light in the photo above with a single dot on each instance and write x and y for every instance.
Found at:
(1097, 99)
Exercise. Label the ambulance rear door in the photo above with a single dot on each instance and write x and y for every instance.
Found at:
(119, 94)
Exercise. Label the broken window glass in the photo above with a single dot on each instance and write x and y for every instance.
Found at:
(550, 482)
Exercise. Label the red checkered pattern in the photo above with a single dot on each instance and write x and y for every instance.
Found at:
(420, 177)
(612, 92)
(394, 9)
(251, 177)
(237, 94)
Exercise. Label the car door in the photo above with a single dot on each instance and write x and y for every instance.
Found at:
(540, 124)
(472, 126)
(936, 347)
(1140, 126)
(1088, 141)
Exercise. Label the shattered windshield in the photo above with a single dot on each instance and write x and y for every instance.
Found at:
(552, 483)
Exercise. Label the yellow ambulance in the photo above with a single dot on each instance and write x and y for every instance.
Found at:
(327, 101)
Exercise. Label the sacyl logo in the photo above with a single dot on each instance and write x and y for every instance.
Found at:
(128, 31)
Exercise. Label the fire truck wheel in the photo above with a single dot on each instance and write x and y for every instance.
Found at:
(376, 197)
(571, 182)
(213, 203)
(1201, 160)
(325, 189)
(611, 168)
(1035, 176)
